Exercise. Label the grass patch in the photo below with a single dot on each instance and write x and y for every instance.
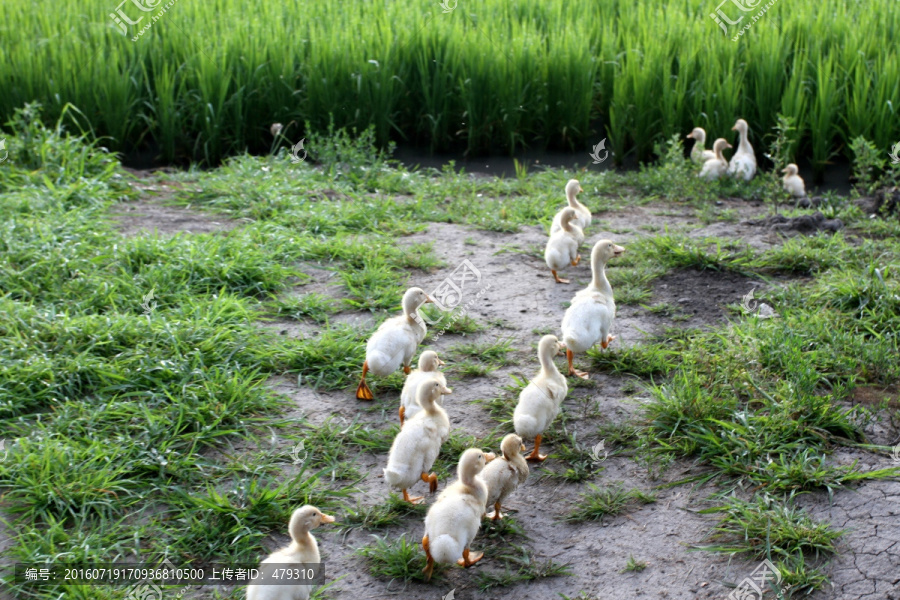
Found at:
(397, 559)
(599, 502)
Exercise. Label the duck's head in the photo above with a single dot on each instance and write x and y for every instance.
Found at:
(789, 170)
(565, 218)
(720, 145)
(572, 188)
(740, 126)
(471, 463)
(511, 445)
(550, 346)
(698, 134)
(429, 392)
(604, 250)
(305, 518)
(413, 299)
(429, 361)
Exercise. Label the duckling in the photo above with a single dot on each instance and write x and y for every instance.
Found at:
(427, 371)
(504, 475)
(304, 549)
(715, 167)
(743, 163)
(539, 402)
(793, 183)
(453, 520)
(418, 443)
(562, 247)
(698, 154)
(584, 213)
(590, 316)
(394, 342)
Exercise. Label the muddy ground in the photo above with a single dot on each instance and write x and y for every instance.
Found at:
(522, 302)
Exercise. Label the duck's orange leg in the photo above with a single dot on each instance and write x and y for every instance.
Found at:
(431, 480)
(402, 413)
(362, 391)
(469, 558)
(572, 370)
(412, 499)
(497, 514)
(429, 567)
(536, 456)
(606, 342)
(558, 278)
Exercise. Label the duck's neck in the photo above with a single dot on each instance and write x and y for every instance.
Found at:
(518, 461)
(573, 201)
(301, 540)
(567, 226)
(719, 155)
(599, 280)
(744, 145)
(548, 367)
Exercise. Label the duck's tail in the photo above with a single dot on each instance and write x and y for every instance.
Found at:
(445, 548)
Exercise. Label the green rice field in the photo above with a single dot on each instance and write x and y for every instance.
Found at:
(208, 79)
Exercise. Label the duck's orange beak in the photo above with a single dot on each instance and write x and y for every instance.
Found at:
(327, 518)
(429, 300)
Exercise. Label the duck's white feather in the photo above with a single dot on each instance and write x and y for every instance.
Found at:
(562, 249)
(503, 477)
(588, 320)
(408, 394)
(453, 520)
(393, 344)
(416, 447)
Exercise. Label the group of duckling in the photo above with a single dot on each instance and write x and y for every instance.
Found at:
(484, 481)
(742, 164)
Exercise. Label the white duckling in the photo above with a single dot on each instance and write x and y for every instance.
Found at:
(743, 163)
(453, 520)
(698, 154)
(717, 166)
(394, 342)
(793, 183)
(562, 247)
(303, 549)
(418, 443)
(584, 213)
(504, 475)
(590, 316)
(539, 402)
(427, 371)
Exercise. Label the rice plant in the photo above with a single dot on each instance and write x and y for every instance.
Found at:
(491, 78)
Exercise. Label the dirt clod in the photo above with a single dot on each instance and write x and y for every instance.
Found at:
(804, 224)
